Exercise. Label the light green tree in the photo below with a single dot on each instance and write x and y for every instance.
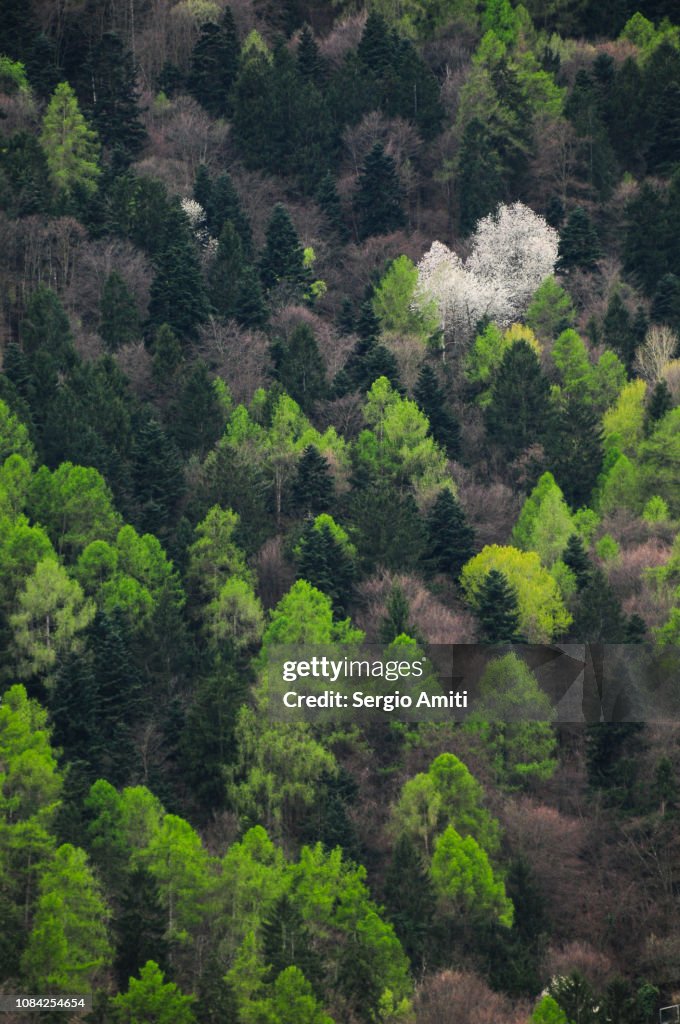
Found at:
(393, 302)
(52, 612)
(22, 546)
(71, 146)
(151, 1000)
(14, 437)
(235, 616)
(292, 999)
(68, 947)
(177, 860)
(551, 311)
(545, 522)
(548, 1011)
(15, 481)
(464, 880)
(75, 505)
(660, 461)
(214, 556)
(621, 488)
(623, 423)
(543, 614)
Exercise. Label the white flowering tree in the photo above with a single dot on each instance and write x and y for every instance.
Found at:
(513, 251)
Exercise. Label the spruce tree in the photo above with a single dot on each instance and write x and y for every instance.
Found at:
(177, 294)
(497, 610)
(579, 245)
(430, 396)
(328, 199)
(203, 189)
(313, 491)
(327, 563)
(286, 942)
(378, 201)
(450, 538)
(282, 261)
(196, 420)
(617, 330)
(598, 617)
(120, 323)
(666, 302)
(396, 621)
(158, 477)
(479, 180)
(660, 402)
(225, 276)
(410, 901)
(215, 64)
(250, 308)
(299, 368)
(573, 444)
(115, 112)
(519, 405)
(576, 559)
(139, 926)
(388, 527)
(222, 205)
(167, 354)
(310, 64)
(664, 151)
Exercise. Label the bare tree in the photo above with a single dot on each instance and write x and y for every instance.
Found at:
(659, 347)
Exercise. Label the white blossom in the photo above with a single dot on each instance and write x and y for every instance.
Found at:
(196, 216)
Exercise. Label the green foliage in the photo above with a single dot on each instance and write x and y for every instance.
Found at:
(518, 406)
(450, 538)
(379, 196)
(545, 523)
(393, 302)
(282, 261)
(547, 1011)
(659, 460)
(656, 510)
(119, 316)
(431, 397)
(151, 1000)
(464, 880)
(75, 506)
(14, 437)
(71, 147)
(325, 557)
(541, 609)
(551, 311)
(579, 243)
(299, 367)
(624, 422)
(68, 947)
(497, 610)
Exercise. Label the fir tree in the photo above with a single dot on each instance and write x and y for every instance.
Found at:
(379, 196)
(120, 322)
(139, 926)
(214, 65)
(410, 901)
(115, 113)
(196, 420)
(666, 302)
(389, 530)
(203, 189)
(479, 180)
(617, 330)
(519, 405)
(497, 610)
(158, 477)
(299, 367)
(222, 205)
(177, 293)
(283, 259)
(226, 272)
(286, 942)
(660, 403)
(327, 563)
(598, 617)
(167, 354)
(573, 443)
(664, 151)
(328, 199)
(71, 146)
(313, 490)
(430, 396)
(576, 559)
(579, 244)
(396, 621)
(450, 538)
(310, 64)
(250, 308)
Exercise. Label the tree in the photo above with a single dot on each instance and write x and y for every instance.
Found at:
(450, 538)
(498, 610)
(480, 184)
(68, 947)
(313, 490)
(547, 1011)
(71, 147)
(573, 444)
(551, 310)
(617, 329)
(75, 506)
(410, 900)
(214, 65)
(197, 418)
(177, 296)
(518, 410)
(576, 559)
(50, 618)
(282, 261)
(430, 396)
(396, 625)
(598, 617)
(545, 523)
(541, 609)
(299, 367)
(579, 244)
(393, 305)
(379, 196)
(225, 205)
(325, 558)
(666, 302)
(328, 199)
(115, 113)
(120, 323)
(464, 881)
(151, 1000)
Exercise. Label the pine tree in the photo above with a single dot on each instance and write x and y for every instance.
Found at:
(396, 621)
(576, 559)
(519, 405)
(71, 147)
(115, 113)
(222, 205)
(299, 368)
(430, 396)
(479, 180)
(120, 322)
(410, 901)
(313, 490)
(573, 444)
(450, 538)
(215, 64)
(388, 527)
(203, 189)
(579, 244)
(283, 259)
(139, 926)
(497, 610)
(328, 199)
(167, 354)
(617, 330)
(379, 196)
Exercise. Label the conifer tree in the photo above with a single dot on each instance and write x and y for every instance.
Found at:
(299, 367)
(286, 941)
(576, 559)
(71, 146)
(214, 65)
(660, 403)
(396, 621)
(579, 244)
(167, 354)
(177, 295)
(250, 308)
(310, 64)
(222, 205)
(226, 272)
(519, 406)
(139, 926)
(158, 476)
(450, 538)
(430, 396)
(666, 302)
(203, 189)
(282, 261)
(328, 199)
(479, 180)
(120, 322)
(313, 490)
(497, 610)
(325, 558)
(379, 196)
(115, 112)
(617, 330)
(410, 900)
(598, 617)
(573, 443)
(196, 420)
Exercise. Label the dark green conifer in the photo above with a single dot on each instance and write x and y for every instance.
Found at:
(313, 490)
(388, 527)
(115, 110)
(410, 901)
(576, 558)
(139, 926)
(224, 205)
(282, 261)
(573, 444)
(598, 617)
(397, 619)
(660, 403)
(617, 330)
(519, 406)
(430, 396)
(378, 201)
(215, 64)
(328, 199)
(177, 294)
(120, 323)
(196, 420)
(326, 563)
(286, 942)
(203, 187)
(298, 366)
(158, 477)
(479, 180)
(666, 302)
(226, 272)
(450, 538)
(497, 610)
(579, 245)
(310, 64)
(167, 354)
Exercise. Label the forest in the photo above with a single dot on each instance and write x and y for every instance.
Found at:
(335, 322)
